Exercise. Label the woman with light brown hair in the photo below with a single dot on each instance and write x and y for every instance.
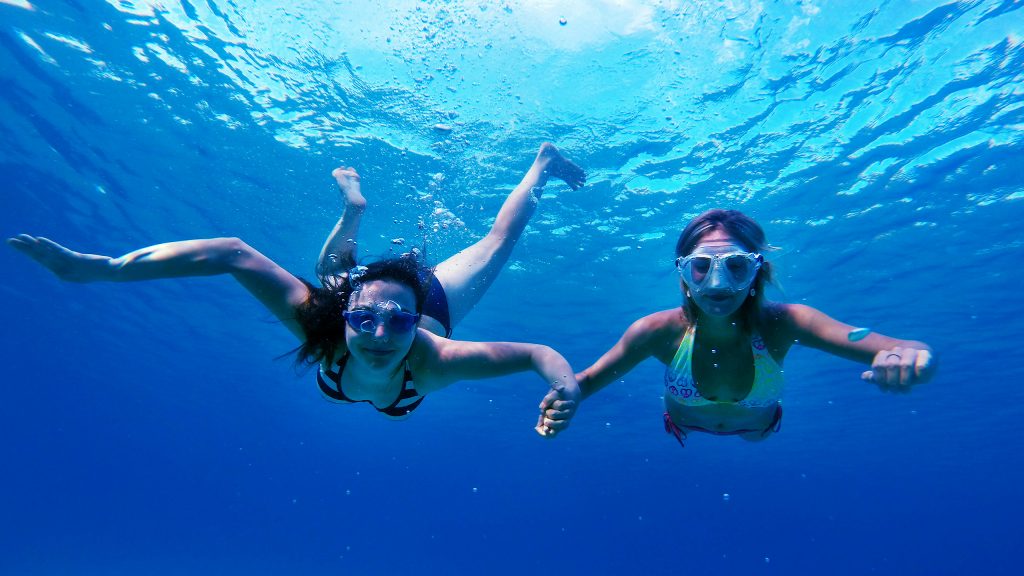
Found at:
(724, 347)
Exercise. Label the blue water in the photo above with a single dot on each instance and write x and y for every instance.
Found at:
(148, 428)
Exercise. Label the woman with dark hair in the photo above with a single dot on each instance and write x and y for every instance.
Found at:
(724, 347)
(379, 333)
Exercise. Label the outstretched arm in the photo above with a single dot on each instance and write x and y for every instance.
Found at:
(454, 360)
(272, 285)
(895, 364)
(339, 252)
(635, 346)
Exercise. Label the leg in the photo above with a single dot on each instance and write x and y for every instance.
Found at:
(467, 275)
(339, 251)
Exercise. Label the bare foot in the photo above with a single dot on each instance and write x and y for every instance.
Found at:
(348, 182)
(558, 166)
(67, 265)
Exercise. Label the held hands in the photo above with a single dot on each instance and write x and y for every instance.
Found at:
(897, 369)
(557, 408)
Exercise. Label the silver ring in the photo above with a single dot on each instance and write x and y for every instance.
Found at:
(898, 357)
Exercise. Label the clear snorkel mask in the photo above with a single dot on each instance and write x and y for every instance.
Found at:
(389, 312)
(729, 272)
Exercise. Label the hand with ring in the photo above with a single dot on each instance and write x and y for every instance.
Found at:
(897, 369)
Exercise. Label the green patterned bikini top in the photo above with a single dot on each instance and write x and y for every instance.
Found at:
(682, 388)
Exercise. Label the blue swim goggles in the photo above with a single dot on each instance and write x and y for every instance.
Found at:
(735, 270)
(395, 318)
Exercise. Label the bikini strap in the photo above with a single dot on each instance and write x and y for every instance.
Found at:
(672, 428)
(333, 392)
(776, 424)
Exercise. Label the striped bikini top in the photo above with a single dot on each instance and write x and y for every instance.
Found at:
(682, 388)
(329, 381)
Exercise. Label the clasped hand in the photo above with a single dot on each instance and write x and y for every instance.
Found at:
(897, 369)
(556, 409)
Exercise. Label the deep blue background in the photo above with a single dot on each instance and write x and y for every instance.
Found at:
(149, 428)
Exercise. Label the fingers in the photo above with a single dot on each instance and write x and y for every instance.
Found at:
(549, 423)
(34, 247)
(898, 369)
(27, 243)
(23, 242)
(18, 243)
(541, 428)
(557, 404)
(924, 367)
(560, 410)
(49, 244)
(548, 400)
(37, 247)
(906, 371)
(550, 428)
(20, 238)
(870, 376)
(556, 425)
(555, 414)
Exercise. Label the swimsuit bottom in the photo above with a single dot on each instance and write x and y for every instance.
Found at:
(680, 431)
(436, 305)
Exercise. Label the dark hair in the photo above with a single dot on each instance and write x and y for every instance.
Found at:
(745, 231)
(320, 315)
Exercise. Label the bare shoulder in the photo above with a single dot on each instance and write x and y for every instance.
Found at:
(426, 350)
(424, 360)
(658, 334)
(785, 316)
(671, 320)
